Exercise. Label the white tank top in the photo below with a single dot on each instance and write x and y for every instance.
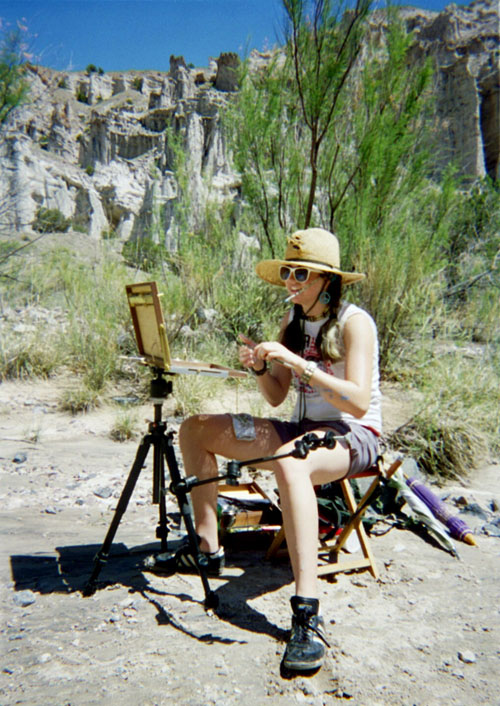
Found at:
(310, 404)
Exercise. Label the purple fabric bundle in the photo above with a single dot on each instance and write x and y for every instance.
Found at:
(457, 527)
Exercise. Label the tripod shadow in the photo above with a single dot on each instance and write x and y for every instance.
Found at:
(257, 579)
(245, 578)
(67, 571)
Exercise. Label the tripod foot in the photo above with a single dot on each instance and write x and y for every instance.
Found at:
(211, 601)
(89, 590)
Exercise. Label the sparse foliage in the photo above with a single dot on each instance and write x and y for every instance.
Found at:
(13, 61)
(49, 220)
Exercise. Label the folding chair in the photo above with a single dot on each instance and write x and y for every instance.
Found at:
(330, 560)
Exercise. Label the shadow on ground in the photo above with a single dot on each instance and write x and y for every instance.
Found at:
(69, 568)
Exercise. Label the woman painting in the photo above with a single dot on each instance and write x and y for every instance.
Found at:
(327, 349)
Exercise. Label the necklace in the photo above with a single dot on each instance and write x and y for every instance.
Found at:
(315, 318)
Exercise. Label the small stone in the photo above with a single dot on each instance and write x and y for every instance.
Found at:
(24, 598)
(20, 458)
(103, 493)
(467, 657)
(124, 401)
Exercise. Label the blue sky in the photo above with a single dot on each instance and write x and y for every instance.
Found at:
(120, 35)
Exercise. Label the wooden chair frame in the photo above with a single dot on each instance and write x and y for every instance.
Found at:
(330, 559)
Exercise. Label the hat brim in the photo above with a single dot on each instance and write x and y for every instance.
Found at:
(269, 270)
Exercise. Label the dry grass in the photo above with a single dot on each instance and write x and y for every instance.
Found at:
(458, 422)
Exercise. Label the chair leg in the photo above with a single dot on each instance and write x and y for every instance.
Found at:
(335, 545)
(275, 546)
(329, 551)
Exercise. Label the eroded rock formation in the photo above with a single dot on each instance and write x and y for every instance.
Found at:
(100, 147)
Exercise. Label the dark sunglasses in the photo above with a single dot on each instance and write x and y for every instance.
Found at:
(301, 274)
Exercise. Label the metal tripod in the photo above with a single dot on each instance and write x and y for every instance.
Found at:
(163, 450)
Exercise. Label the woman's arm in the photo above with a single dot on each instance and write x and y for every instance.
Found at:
(353, 393)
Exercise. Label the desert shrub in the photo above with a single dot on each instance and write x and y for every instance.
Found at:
(24, 357)
(458, 422)
(125, 426)
(93, 69)
(79, 398)
(144, 253)
(81, 96)
(49, 220)
(96, 314)
(137, 83)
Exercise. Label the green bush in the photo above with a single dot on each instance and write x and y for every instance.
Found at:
(144, 253)
(49, 220)
(137, 83)
(93, 69)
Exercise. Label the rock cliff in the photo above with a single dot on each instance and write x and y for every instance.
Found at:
(100, 147)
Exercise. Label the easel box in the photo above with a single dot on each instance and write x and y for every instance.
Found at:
(248, 507)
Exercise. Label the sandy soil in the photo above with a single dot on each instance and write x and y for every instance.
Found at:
(425, 633)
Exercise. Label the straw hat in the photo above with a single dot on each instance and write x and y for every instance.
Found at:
(315, 248)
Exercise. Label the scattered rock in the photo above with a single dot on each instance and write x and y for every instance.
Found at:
(467, 657)
(492, 529)
(104, 493)
(24, 598)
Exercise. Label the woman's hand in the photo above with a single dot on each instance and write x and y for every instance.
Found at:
(251, 353)
(273, 351)
(247, 355)
(273, 383)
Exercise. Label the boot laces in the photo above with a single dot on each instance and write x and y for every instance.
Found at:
(305, 623)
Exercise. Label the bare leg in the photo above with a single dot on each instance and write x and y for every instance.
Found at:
(203, 437)
(296, 479)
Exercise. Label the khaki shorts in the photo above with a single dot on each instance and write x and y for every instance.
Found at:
(363, 442)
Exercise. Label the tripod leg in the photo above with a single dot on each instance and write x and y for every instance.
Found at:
(102, 555)
(159, 491)
(211, 599)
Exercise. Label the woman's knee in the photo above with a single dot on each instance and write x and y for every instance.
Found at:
(200, 430)
(191, 429)
(287, 472)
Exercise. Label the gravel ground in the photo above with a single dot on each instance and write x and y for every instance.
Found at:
(426, 632)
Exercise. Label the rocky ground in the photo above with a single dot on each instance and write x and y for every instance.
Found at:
(425, 633)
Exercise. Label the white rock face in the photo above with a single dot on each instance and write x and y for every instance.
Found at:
(99, 147)
(465, 42)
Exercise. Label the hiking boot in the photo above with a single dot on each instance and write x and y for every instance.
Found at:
(306, 647)
(183, 560)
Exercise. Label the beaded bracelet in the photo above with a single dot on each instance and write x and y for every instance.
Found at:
(309, 371)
